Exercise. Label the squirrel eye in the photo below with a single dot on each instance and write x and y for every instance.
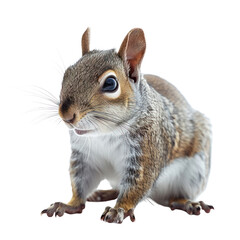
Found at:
(110, 84)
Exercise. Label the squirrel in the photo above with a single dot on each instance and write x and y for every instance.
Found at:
(135, 130)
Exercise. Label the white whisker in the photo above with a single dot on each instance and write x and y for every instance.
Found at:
(43, 94)
(63, 67)
(82, 148)
(46, 104)
(89, 147)
(45, 117)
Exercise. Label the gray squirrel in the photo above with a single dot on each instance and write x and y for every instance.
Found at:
(137, 131)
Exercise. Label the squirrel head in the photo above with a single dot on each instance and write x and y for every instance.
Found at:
(97, 94)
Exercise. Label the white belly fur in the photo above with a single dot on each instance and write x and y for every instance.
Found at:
(105, 153)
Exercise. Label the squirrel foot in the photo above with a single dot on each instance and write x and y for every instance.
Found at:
(59, 209)
(112, 215)
(192, 208)
(103, 195)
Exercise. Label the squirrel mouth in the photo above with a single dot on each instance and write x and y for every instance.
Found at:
(81, 132)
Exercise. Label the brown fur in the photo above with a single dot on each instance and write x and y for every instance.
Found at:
(75, 200)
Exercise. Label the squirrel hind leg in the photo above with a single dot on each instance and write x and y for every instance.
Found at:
(192, 208)
(182, 178)
(103, 195)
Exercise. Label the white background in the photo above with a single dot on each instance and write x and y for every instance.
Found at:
(193, 44)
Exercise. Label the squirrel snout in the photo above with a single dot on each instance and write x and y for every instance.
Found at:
(68, 117)
(67, 113)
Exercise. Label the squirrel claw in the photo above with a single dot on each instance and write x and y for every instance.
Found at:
(205, 207)
(112, 215)
(130, 213)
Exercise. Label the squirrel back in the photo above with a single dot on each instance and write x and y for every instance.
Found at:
(166, 89)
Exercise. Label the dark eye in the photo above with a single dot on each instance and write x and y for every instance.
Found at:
(110, 85)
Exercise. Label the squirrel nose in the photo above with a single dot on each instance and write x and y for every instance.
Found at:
(67, 112)
(69, 118)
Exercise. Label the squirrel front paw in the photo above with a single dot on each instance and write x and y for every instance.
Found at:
(58, 209)
(112, 215)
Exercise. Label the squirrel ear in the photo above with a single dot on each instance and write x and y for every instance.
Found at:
(85, 41)
(132, 51)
